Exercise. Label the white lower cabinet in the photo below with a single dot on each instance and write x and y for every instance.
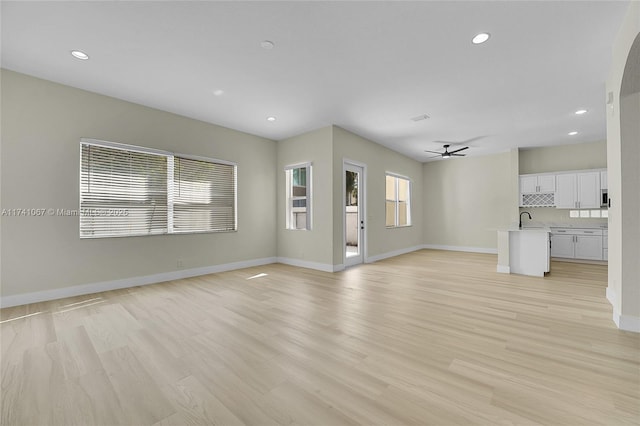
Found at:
(589, 247)
(571, 243)
(563, 246)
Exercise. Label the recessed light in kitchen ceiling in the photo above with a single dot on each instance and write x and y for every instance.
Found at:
(573, 133)
(581, 111)
(218, 92)
(266, 44)
(79, 54)
(271, 119)
(480, 38)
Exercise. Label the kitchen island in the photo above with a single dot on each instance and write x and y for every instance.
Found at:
(525, 251)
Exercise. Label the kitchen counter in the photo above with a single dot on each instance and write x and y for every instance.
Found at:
(524, 251)
(531, 225)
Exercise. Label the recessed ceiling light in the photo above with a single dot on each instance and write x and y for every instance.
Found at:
(266, 44)
(272, 119)
(218, 92)
(581, 111)
(573, 133)
(78, 54)
(480, 38)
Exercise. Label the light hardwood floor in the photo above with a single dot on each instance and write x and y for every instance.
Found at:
(430, 337)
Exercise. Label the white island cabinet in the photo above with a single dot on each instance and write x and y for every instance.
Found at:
(524, 251)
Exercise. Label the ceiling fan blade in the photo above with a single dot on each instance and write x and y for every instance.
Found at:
(434, 156)
(458, 155)
(458, 150)
(433, 152)
(468, 141)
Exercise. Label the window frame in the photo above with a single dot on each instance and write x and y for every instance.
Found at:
(396, 177)
(289, 198)
(170, 158)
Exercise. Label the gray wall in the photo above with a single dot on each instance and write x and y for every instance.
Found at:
(42, 123)
(378, 160)
(315, 245)
(467, 199)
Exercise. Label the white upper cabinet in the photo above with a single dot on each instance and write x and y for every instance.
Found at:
(589, 190)
(528, 184)
(604, 184)
(566, 196)
(578, 190)
(534, 184)
(546, 183)
(537, 190)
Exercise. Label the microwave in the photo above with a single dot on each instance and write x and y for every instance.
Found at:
(604, 201)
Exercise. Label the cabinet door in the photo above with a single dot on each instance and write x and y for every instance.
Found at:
(604, 183)
(589, 190)
(546, 183)
(528, 184)
(565, 197)
(588, 247)
(562, 246)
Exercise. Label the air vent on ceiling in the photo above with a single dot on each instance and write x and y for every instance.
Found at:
(420, 117)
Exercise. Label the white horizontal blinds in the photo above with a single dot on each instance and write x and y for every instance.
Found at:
(122, 192)
(203, 196)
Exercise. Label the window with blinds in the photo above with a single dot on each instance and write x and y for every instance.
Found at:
(203, 196)
(398, 201)
(132, 191)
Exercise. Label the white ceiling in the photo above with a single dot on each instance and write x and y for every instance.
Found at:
(365, 66)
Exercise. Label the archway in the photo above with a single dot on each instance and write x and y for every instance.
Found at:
(628, 202)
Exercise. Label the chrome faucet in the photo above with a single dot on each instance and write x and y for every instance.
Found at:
(520, 225)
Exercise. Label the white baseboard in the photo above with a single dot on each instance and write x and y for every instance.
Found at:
(394, 253)
(623, 322)
(80, 290)
(611, 296)
(324, 267)
(503, 269)
(628, 323)
(461, 248)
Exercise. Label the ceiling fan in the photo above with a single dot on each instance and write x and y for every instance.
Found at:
(446, 153)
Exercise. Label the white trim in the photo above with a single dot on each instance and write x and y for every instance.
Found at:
(461, 248)
(393, 253)
(324, 267)
(623, 322)
(124, 147)
(288, 172)
(80, 290)
(397, 175)
(611, 296)
(503, 269)
(204, 159)
(362, 211)
(629, 323)
(298, 166)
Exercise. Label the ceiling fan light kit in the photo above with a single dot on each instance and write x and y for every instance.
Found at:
(448, 154)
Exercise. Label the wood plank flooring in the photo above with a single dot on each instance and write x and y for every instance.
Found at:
(430, 337)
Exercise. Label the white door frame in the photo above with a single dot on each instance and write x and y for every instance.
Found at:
(362, 202)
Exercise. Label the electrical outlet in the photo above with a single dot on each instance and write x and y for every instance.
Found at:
(180, 264)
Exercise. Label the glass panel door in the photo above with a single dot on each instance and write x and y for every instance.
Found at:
(354, 218)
